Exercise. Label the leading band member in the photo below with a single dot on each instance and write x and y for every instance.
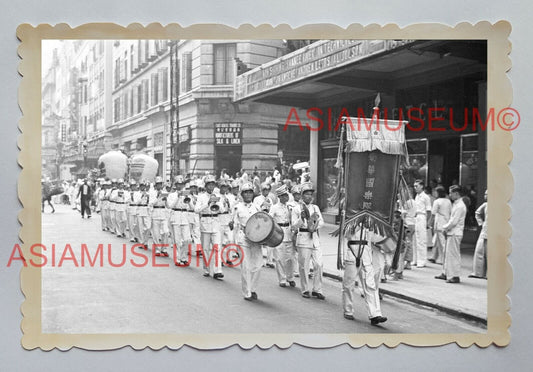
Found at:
(252, 253)
(358, 263)
(304, 215)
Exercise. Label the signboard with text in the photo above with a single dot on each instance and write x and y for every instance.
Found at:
(228, 134)
(317, 58)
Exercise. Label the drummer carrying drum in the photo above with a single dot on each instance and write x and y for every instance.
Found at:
(252, 253)
(306, 220)
(284, 253)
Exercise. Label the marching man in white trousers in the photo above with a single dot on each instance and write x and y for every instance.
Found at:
(208, 208)
(358, 264)
(308, 243)
(252, 253)
(284, 253)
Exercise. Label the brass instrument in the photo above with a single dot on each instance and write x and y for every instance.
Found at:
(213, 206)
(312, 219)
(266, 205)
(187, 195)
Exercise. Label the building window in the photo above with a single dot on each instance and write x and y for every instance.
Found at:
(139, 97)
(145, 93)
(116, 110)
(146, 50)
(224, 55)
(132, 59)
(155, 89)
(140, 60)
(142, 143)
(117, 72)
(163, 83)
(132, 100)
(125, 67)
(186, 72)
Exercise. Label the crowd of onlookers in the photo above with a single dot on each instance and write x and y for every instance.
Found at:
(436, 218)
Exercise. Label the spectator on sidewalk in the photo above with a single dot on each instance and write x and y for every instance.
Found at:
(409, 214)
(454, 234)
(440, 214)
(479, 265)
(423, 212)
(429, 192)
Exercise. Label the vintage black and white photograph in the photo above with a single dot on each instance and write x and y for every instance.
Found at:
(279, 186)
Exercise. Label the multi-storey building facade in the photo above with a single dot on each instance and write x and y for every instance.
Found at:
(206, 131)
(141, 84)
(76, 96)
(172, 100)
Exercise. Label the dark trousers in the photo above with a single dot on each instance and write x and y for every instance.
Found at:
(85, 206)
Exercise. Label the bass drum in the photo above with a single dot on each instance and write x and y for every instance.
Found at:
(262, 229)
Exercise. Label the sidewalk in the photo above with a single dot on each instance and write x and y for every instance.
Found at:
(467, 299)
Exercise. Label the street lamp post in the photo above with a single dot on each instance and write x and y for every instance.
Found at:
(174, 108)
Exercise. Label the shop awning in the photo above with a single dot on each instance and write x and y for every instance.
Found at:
(332, 71)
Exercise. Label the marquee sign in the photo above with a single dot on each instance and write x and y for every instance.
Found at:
(317, 58)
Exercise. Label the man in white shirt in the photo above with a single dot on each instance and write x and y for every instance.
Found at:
(454, 234)
(144, 221)
(207, 207)
(252, 254)
(104, 205)
(284, 253)
(119, 197)
(264, 202)
(225, 214)
(132, 210)
(308, 243)
(423, 213)
(358, 248)
(112, 207)
(179, 204)
(440, 214)
(159, 214)
(479, 264)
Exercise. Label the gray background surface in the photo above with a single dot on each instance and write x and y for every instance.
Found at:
(515, 357)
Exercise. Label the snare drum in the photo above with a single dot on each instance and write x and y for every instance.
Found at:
(262, 229)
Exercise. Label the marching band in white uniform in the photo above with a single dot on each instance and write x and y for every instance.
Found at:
(186, 220)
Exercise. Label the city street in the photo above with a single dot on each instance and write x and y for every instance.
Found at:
(170, 299)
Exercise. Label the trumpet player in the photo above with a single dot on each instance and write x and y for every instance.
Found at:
(103, 196)
(264, 202)
(208, 209)
(226, 235)
(158, 200)
(306, 220)
(143, 214)
(132, 211)
(112, 207)
(120, 197)
(179, 204)
(194, 218)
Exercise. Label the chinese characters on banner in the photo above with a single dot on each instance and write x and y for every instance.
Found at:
(369, 182)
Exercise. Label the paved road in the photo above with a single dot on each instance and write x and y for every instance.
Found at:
(153, 299)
